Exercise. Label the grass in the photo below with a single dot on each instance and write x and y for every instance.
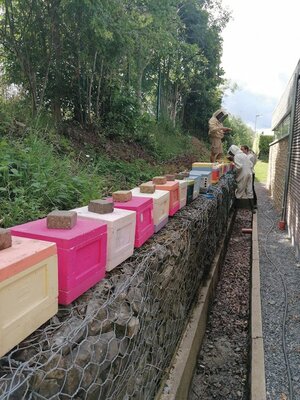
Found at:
(35, 180)
(40, 170)
(261, 171)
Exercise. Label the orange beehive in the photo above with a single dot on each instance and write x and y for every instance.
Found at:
(215, 176)
(28, 289)
(173, 188)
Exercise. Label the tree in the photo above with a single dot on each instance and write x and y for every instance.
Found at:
(241, 133)
(107, 62)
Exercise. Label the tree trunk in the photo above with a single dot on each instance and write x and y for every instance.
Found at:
(99, 89)
(89, 100)
(56, 102)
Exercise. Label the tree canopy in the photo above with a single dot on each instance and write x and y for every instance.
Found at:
(111, 62)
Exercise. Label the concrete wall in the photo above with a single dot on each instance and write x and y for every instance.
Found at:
(277, 170)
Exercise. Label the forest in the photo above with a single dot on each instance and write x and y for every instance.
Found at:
(112, 62)
(90, 80)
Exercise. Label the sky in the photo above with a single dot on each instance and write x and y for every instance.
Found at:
(260, 53)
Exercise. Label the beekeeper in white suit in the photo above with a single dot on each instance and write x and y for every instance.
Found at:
(243, 167)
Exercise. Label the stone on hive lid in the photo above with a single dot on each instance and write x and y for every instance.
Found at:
(159, 180)
(122, 195)
(180, 176)
(185, 174)
(170, 177)
(101, 206)
(147, 188)
(5, 239)
(61, 219)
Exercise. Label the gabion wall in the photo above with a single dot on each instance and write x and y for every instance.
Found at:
(116, 341)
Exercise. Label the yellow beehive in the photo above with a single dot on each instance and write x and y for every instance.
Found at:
(203, 164)
(28, 289)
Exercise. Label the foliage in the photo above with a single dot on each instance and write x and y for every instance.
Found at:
(108, 62)
(264, 141)
(261, 171)
(240, 135)
(132, 71)
(33, 181)
(124, 175)
(202, 31)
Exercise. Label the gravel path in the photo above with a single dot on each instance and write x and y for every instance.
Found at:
(280, 290)
(222, 365)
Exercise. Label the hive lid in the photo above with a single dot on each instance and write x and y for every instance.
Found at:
(134, 204)
(169, 185)
(84, 230)
(116, 215)
(158, 194)
(23, 253)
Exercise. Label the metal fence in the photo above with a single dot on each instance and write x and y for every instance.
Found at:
(117, 340)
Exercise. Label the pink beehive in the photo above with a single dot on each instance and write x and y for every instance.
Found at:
(28, 289)
(120, 233)
(81, 253)
(143, 207)
(173, 188)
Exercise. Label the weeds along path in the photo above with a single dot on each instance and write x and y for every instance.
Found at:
(222, 365)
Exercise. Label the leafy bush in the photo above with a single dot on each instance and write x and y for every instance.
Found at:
(264, 141)
(240, 135)
(33, 181)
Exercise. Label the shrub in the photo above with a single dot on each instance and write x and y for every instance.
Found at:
(264, 141)
(34, 181)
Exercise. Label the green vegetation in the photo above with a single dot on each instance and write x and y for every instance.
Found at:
(264, 141)
(115, 64)
(261, 171)
(103, 95)
(241, 134)
(34, 179)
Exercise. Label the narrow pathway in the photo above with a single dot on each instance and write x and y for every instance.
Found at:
(222, 366)
(280, 290)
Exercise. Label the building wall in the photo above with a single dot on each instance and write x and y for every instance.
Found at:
(293, 204)
(277, 169)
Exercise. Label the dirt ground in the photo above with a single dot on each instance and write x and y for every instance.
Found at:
(222, 365)
(129, 151)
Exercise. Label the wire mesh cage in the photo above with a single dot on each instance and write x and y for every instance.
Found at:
(117, 340)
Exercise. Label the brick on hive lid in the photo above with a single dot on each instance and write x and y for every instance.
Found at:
(185, 174)
(159, 180)
(5, 239)
(180, 176)
(61, 219)
(101, 206)
(147, 188)
(122, 195)
(170, 177)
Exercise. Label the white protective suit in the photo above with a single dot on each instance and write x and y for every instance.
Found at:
(243, 167)
(253, 158)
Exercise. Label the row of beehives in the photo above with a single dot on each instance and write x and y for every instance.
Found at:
(54, 260)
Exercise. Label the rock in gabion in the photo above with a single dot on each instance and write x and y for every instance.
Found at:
(116, 341)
